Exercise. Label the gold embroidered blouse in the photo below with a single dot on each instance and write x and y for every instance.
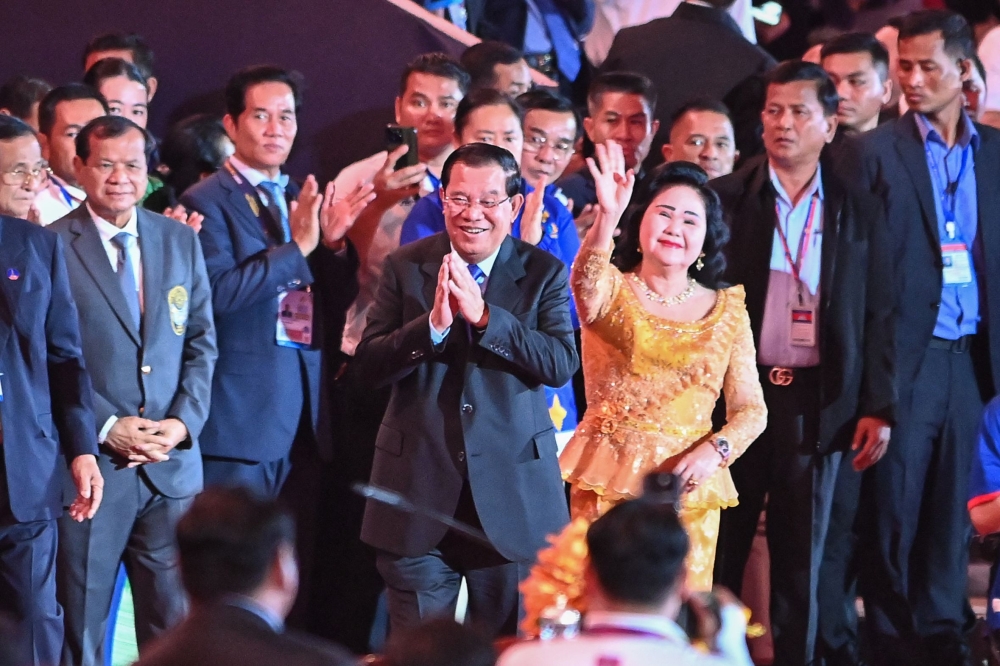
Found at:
(652, 385)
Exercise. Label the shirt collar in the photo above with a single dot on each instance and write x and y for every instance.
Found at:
(486, 265)
(967, 132)
(255, 177)
(252, 606)
(654, 624)
(107, 230)
(73, 190)
(815, 186)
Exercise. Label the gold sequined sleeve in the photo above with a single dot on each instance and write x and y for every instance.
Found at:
(594, 281)
(746, 414)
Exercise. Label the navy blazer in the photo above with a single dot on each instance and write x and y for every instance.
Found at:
(164, 371)
(47, 407)
(505, 20)
(260, 389)
(473, 407)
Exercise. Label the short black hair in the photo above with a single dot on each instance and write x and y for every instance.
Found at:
(14, 128)
(667, 176)
(630, 83)
(700, 104)
(243, 80)
(480, 59)
(955, 30)
(480, 98)
(227, 541)
(980, 67)
(109, 68)
(859, 42)
(637, 551)
(481, 155)
(142, 55)
(109, 127)
(975, 11)
(21, 93)
(544, 99)
(435, 64)
(193, 147)
(791, 71)
(439, 642)
(70, 92)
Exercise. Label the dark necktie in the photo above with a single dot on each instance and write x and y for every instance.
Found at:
(275, 199)
(563, 42)
(126, 276)
(479, 276)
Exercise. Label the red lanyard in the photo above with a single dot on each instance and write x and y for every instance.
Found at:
(800, 256)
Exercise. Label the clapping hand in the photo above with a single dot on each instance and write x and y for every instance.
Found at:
(179, 213)
(442, 313)
(336, 217)
(303, 216)
(467, 295)
(534, 211)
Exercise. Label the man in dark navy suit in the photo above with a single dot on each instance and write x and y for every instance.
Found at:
(268, 253)
(46, 414)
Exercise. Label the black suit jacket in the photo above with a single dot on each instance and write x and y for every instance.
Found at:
(472, 408)
(505, 20)
(222, 635)
(856, 346)
(893, 165)
(696, 52)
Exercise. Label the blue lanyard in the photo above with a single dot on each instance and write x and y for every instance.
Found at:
(948, 189)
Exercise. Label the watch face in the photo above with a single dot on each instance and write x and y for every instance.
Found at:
(722, 445)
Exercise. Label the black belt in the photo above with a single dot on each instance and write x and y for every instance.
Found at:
(782, 376)
(543, 62)
(959, 346)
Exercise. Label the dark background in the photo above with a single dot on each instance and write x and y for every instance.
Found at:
(351, 53)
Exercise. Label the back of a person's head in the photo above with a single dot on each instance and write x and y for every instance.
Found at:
(441, 642)
(955, 30)
(637, 551)
(480, 59)
(193, 147)
(437, 64)
(20, 94)
(859, 42)
(142, 54)
(70, 92)
(628, 83)
(228, 540)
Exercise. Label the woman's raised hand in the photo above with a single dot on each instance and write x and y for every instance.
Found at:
(611, 181)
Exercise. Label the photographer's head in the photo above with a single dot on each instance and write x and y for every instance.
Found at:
(637, 552)
(232, 542)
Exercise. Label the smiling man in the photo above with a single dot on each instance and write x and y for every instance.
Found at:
(467, 328)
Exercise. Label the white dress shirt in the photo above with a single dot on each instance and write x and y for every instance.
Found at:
(57, 200)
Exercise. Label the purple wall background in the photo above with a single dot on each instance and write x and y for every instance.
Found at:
(350, 52)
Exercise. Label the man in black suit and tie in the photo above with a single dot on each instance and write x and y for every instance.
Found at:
(145, 309)
(936, 172)
(237, 558)
(811, 254)
(468, 326)
(46, 410)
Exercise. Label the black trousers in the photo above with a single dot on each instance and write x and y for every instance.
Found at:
(917, 565)
(427, 586)
(837, 640)
(784, 466)
(28, 585)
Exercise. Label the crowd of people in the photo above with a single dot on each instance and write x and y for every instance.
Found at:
(576, 339)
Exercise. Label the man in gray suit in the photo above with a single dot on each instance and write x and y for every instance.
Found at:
(144, 300)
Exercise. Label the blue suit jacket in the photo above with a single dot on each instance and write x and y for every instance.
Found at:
(47, 407)
(259, 389)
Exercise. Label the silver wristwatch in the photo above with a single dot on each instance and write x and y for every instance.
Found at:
(723, 448)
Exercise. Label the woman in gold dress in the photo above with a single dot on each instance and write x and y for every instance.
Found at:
(661, 339)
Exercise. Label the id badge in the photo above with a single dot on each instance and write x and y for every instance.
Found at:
(957, 269)
(295, 319)
(802, 319)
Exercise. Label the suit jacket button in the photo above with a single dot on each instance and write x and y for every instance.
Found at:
(467, 408)
(935, 305)
(416, 353)
(146, 369)
(461, 456)
(295, 283)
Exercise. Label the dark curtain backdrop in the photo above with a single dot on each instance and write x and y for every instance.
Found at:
(350, 52)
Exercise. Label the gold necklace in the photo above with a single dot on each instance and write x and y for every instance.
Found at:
(665, 301)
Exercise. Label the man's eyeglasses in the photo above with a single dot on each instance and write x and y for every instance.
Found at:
(20, 176)
(460, 204)
(536, 142)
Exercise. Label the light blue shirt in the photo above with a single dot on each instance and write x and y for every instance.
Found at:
(959, 312)
(536, 34)
(793, 219)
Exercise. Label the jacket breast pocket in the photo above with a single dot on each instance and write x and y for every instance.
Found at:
(389, 440)
(539, 447)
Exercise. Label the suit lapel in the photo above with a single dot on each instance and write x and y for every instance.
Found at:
(246, 202)
(833, 208)
(502, 289)
(151, 251)
(911, 151)
(12, 256)
(88, 247)
(757, 238)
(988, 201)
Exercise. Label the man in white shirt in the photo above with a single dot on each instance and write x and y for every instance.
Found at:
(635, 586)
(62, 113)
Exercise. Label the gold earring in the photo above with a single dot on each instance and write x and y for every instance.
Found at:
(700, 264)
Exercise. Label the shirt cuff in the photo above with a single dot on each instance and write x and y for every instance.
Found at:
(731, 641)
(438, 338)
(103, 435)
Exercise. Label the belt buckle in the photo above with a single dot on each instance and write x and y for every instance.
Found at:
(781, 376)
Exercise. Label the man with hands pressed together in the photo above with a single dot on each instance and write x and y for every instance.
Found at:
(467, 327)
(145, 310)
